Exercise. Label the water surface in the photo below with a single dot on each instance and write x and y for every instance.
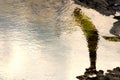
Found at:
(39, 41)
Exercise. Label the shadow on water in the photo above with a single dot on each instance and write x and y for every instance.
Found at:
(92, 38)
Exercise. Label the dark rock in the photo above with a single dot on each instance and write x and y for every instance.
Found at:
(116, 29)
(117, 17)
(114, 74)
(110, 75)
(106, 7)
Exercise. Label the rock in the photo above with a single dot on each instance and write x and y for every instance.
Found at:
(114, 74)
(116, 29)
(106, 7)
(110, 75)
(117, 17)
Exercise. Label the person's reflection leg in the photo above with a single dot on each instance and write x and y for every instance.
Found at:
(92, 46)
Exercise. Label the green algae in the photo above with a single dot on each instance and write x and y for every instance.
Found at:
(111, 38)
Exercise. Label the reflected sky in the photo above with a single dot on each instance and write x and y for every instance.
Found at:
(39, 42)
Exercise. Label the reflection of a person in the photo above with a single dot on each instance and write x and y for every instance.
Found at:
(92, 40)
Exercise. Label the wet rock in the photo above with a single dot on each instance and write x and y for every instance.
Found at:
(114, 74)
(110, 75)
(116, 29)
(117, 17)
(106, 7)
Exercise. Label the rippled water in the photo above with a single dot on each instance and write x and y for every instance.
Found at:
(39, 41)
